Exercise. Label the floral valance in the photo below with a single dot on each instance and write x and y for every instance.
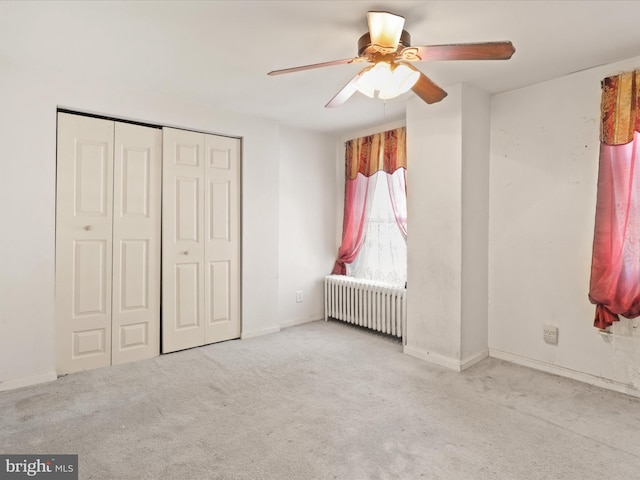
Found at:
(620, 108)
(381, 151)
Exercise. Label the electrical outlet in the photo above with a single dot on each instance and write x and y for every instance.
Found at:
(551, 334)
(299, 297)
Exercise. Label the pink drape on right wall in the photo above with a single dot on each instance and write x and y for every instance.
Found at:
(615, 267)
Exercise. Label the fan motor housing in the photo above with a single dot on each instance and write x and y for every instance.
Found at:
(365, 48)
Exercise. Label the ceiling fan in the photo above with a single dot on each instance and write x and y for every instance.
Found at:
(388, 47)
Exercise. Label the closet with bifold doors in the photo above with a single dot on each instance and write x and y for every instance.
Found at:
(147, 241)
(108, 200)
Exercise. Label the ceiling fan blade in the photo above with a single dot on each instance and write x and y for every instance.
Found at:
(385, 30)
(427, 90)
(461, 51)
(316, 65)
(346, 92)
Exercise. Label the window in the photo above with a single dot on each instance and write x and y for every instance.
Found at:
(374, 228)
(383, 255)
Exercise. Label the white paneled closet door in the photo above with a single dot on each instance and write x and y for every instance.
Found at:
(201, 239)
(83, 242)
(182, 241)
(107, 242)
(222, 238)
(135, 318)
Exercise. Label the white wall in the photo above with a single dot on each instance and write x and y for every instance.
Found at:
(544, 166)
(29, 99)
(448, 206)
(476, 120)
(307, 222)
(434, 228)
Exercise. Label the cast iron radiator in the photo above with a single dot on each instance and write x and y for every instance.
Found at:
(377, 306)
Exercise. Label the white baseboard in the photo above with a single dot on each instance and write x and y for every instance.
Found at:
(259, 333)
(447, 362)
(471, 360)
(565, 372)
(27, 381)
(302, 321)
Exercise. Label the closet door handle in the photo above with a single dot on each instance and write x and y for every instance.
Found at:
(87, 227)
(186, 252)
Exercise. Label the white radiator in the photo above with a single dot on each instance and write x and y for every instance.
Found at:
(369, 304)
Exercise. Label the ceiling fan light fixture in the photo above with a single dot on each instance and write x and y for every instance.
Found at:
(388, 47)
(385, 30)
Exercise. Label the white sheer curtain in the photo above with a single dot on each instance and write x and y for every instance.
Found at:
(383, 256)
(397, 183)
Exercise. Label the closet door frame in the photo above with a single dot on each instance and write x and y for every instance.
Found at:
(104, 335)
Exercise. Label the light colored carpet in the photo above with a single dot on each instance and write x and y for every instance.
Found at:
(323, 401)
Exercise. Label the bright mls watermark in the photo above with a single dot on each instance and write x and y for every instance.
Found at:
(49, 467)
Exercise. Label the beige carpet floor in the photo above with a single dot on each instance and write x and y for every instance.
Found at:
(323, 401)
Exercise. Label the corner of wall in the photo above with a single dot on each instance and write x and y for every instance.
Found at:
(447, 362)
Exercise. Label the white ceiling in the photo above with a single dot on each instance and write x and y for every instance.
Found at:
(219, 52)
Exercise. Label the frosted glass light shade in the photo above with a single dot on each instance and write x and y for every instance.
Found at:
(385, 29)
(374, 78)
(404, 77)
(388, 80)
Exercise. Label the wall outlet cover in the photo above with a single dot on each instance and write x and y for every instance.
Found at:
(551, 334)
